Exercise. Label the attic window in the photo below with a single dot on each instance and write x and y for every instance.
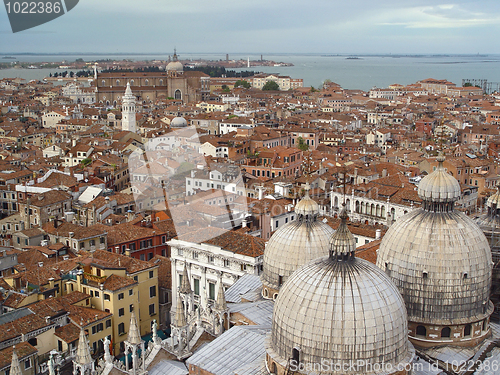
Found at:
(465, 275)
(425, 274)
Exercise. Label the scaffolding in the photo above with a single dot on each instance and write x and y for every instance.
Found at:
(488, 87)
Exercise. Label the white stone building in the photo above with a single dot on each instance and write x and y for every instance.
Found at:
(209, 263)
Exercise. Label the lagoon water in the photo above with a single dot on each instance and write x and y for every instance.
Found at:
(362, 72)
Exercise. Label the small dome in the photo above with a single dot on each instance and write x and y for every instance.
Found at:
(175, 65)
(439, 186)
(306, 205)
(178, 122)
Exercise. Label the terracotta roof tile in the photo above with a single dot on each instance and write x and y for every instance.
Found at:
(23, 350)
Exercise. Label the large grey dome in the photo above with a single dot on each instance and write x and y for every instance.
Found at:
(439, 258)
(293, 245)
(340, 309)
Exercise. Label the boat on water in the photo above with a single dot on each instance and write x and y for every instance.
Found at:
(9, 57)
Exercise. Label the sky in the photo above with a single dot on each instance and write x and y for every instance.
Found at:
(265, 26)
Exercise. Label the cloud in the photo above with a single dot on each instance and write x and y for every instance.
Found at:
(443, 16)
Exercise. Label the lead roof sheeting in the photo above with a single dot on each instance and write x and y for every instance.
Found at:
(258, 312)
(234, 349)
(245, 284)
(169, 367)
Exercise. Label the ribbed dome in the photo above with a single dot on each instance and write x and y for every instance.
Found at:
(439, 186)
(178, 122)
(293, 245)
(441, 263)
(340, 312)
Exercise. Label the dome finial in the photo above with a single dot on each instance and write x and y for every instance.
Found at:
(342, 243)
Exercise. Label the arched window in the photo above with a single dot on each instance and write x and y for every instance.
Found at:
(117, 82)
(446, 332)
(467, 330)
(295, 356)
(177, 94)
(103, 82)
(421, 331)
(266, 293)
(146, 82)
(274, 370)
(161, 82)
(131, 82)
(275, 295)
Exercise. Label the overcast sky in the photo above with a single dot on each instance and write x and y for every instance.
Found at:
(265, 26)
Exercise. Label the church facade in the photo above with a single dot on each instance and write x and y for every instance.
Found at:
(173, 83)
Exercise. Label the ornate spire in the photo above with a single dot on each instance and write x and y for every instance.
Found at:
(15, 368)
(83, 356)
(134, 335)
(342, 243)
(186, 285)
(220, 303)
(180, 318)
(128, 91)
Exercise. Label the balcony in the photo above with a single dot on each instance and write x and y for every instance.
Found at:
(93, 279)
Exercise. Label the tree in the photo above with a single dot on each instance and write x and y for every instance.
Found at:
(242, 83)
(271, 86)
(302, 145)
(225, 88)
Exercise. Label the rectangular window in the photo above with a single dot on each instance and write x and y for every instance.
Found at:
(106, 297)
(151, 274)
(227, 263)
(152, 309)
(131, 308)
(197, 287)
(120, 296)
(152, 291)
(211, 291)
(108, 323)
(121, 312)
(195, 255)
(131, 292)
(121, 329)
(27, 364)
(210, 259)
(96, 294)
